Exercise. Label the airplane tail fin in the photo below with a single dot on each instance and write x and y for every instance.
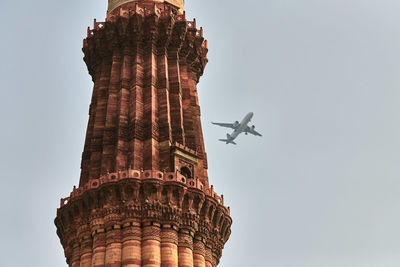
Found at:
(227, 141)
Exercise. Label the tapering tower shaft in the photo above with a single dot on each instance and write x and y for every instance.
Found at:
(144, 198)
(145, 61)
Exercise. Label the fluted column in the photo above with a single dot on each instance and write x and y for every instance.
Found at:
(151, 251)
(185, 250)
(215, 259)
(175, 98)
(131, 245)
(169, 246)
(187, 105)
(195, 113)
(199, 252)
(96, 149)
(109, 138)
(151, 129)
(113, 246)
(164, 120)
(89, 134)
(135, 158)
(99, 248)
(86, 247)
(123, 111)
(75, 254)
(208, 258)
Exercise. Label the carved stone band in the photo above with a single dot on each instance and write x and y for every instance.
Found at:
(113, 4)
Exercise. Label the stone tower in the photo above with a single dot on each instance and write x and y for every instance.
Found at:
(144, 197)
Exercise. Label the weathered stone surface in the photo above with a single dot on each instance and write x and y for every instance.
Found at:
(144, 112)
(113, 4)
(144, 198)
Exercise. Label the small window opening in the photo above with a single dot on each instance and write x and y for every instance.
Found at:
(185, 171)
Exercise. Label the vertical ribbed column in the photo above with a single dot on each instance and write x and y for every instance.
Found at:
(99, 248)
(123, 112)
(164, 121)
(197, 142)
(215, 259)
(209, 257)
(110, 129)
(76, 253)
(195, 113)
(199, 252)
(68, 253)
(150, 145)
(151, 251)
(169, 246)
(89, 133)
(136, 111)
(99, 120)
(185, 249)
(86, 247)
(113, 246)
(187, 105)
(175, 98)
(86, 258)
(131, 245)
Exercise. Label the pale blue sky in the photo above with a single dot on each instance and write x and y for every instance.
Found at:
(320, 189)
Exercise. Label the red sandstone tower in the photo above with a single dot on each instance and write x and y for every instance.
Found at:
(144, 198)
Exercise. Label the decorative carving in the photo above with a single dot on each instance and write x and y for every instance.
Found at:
(113, 4)
(186, 238)
(198, 246)
(151, 232)
(119, 220)
(141, 61)
(144, 169)
(169, 235)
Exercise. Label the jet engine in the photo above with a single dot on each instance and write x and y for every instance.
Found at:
(253, 127)
(236, 124)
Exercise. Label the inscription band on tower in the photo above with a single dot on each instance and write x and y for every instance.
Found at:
(113, 4)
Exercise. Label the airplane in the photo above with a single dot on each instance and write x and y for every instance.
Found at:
(238, 128)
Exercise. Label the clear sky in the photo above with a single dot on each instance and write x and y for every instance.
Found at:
(320, 189)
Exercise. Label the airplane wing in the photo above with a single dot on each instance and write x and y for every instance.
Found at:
(252, 131)
(227, 125)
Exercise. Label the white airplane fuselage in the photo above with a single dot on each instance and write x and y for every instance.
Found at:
(242, 126)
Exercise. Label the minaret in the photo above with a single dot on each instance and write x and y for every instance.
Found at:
(144, 197)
